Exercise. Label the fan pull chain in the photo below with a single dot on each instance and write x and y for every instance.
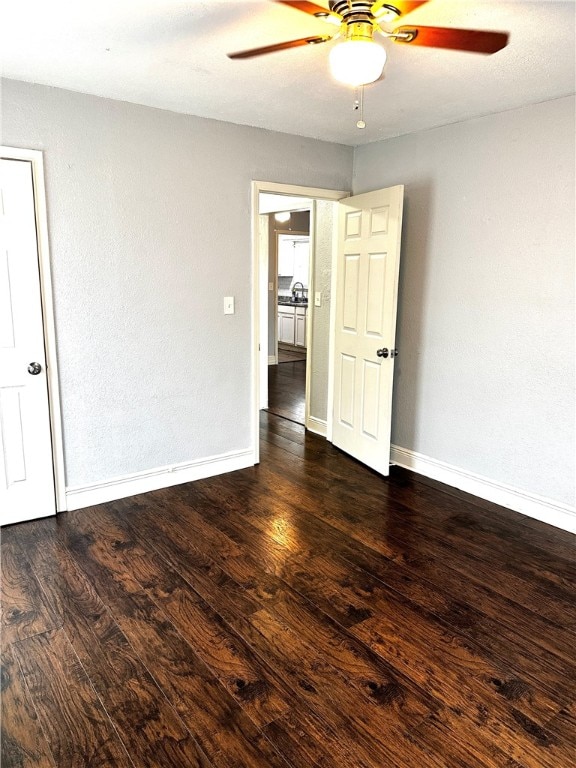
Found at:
(359, 105)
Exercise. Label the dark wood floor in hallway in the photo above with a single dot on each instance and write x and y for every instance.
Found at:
(287, 390)
(302, 613)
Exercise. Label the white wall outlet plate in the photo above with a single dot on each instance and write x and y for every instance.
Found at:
(228, 305)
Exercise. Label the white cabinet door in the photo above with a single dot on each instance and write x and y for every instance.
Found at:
(285, 256)
(301, 328)
(286, 326)
(302, 262)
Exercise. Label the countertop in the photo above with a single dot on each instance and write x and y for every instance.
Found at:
(292, 303)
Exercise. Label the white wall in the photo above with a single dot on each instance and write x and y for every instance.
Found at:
(149, 217)
(485, 376)
(323, 237)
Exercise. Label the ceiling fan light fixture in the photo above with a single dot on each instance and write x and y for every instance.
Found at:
(357, 62)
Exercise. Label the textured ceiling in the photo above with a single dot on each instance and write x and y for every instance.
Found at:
(172, 54)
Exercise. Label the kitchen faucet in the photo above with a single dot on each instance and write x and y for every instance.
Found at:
(296, 291)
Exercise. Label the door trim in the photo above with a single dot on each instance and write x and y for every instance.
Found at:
(260, 346)
(36, 159)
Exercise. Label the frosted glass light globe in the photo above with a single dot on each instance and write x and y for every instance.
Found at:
(357, 62)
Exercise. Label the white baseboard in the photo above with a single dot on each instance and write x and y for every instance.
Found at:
(272, 360)
(547, 510)
(318, 426)
(154, 479)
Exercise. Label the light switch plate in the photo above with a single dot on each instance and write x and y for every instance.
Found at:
(318, 299)
(228, 305)
(270, 286)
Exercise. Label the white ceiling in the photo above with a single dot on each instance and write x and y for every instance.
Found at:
(172, 54)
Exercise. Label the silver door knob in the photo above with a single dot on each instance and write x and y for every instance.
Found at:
(382, 352)
(34, 369)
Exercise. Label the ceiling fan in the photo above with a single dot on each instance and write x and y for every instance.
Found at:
(357, 59)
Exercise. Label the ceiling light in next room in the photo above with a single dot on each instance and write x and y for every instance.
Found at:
(282, 217)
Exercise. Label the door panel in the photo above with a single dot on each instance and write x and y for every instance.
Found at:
(347, 390)
(350, 311)
(370, 395)
(353, 221)
(12, 435)
(366, 299)
(26, 468)
(379, 220)
(375, 297)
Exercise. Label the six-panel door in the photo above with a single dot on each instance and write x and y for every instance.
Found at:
(366, 300)
(26, 468)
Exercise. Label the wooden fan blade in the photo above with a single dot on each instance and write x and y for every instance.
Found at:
(305, 7)
(404, 6)
(279, 47)
(475, 40)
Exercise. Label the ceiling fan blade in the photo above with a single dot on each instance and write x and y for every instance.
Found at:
(403, 6)
(321, 12)
(475, 40)
(279, 47)
(305, 7)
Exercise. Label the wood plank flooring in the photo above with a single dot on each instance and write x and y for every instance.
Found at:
(302, 613)
(287, 390)
(289, 354)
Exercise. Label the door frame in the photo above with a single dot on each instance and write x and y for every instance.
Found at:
(36, 159)
(259, 307)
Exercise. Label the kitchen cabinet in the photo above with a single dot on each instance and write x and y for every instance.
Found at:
(300, 330)
(294, 257)
(286, 325)
(292, 325)
(286, 261)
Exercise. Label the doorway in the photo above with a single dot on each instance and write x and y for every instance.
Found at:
(320, 203)
(289, 266)
(289, 257)
(363, 263)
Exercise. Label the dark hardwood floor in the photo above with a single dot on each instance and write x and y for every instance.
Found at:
(302, 613)
(287, 390)
(289, 354)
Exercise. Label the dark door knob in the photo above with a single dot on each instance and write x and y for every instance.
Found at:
(393, 353)
(34, 369)
(382, 352)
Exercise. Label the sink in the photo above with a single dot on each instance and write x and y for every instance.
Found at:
(293, 302)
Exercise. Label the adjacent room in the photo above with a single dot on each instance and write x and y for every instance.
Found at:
(287, 384)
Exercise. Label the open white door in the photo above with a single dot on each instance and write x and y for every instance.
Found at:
(27, 487)
(366, 300)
